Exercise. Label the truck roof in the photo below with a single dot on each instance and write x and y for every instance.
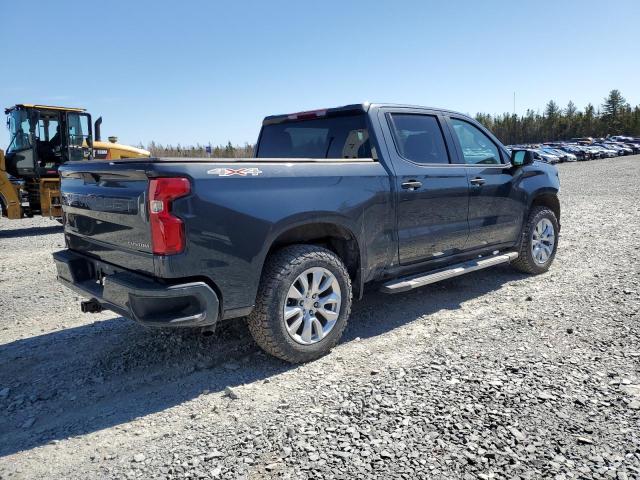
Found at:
(342, 110)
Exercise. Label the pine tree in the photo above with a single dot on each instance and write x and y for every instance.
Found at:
(589, 121)
(613, 110)
(552, 114)
(551, 110)
(613, 103)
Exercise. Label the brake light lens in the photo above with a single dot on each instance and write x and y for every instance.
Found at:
(167, 230)
(307, 115)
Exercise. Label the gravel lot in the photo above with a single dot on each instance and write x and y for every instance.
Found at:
(489, 375)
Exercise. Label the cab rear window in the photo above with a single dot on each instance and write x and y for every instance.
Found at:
(330, 137)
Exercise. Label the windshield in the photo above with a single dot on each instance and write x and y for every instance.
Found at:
(19, 128)
(330, 137)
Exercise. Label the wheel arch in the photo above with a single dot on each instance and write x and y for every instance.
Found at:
(549, 199)
(330, 234)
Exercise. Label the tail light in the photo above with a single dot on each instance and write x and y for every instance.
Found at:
(167, 230)
(307, 115)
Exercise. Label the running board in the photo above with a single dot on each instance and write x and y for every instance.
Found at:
(421, 279)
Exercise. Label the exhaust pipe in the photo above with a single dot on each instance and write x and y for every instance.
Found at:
(91, 306)
(97, 129)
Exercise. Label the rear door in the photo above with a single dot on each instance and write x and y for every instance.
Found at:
(496, 205)
(432, 190)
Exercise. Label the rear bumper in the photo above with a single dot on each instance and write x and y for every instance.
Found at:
(135, 296)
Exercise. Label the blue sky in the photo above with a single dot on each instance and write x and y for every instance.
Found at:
(199, 71)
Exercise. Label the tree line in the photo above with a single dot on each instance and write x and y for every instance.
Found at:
(200, 151)
(613, 117)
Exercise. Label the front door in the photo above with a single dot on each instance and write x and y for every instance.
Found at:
(79, 136)
(20, 159)
(496, 206)
(432, 192)
(50, 142)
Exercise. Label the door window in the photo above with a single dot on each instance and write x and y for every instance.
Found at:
(48, 128)
(418, 138)
(78, 128)
(19, 129)
(477, 148)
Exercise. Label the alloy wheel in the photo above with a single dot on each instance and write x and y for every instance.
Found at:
(312, 305)
(543, 240)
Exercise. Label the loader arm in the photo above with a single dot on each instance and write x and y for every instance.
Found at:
(9, 195)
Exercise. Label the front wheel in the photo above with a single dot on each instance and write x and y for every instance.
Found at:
(539, 242)
(303, 303)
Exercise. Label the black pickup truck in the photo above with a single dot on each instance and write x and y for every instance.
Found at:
(400, 196)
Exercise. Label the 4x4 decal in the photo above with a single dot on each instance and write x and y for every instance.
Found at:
(229, 172)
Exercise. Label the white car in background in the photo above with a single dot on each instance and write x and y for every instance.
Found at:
(607, 152)
(545, 156)
(564, 156)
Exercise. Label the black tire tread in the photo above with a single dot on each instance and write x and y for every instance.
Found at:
(524, 262)
(278, 267)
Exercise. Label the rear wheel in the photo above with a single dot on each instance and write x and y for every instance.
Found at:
(539, 242)
(303, 303)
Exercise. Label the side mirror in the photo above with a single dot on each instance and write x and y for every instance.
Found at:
(520, 158)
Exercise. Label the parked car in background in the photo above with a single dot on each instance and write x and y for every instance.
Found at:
(580, 153)
(583, 148)
(546, 157)
(606, 152)
(621, 147)
(595, 152)
(621, 138)
(635, 147)
(562, 154)
(619, 151)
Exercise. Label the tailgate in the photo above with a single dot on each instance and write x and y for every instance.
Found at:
(104, 205)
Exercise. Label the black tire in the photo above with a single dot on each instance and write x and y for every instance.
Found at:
(266, 322)
(525, 261)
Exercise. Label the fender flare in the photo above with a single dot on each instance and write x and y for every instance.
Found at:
(326, 218)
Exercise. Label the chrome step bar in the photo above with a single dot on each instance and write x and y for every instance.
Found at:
(421, 279)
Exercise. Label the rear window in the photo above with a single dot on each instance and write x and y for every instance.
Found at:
(419, 138)
(330, 137)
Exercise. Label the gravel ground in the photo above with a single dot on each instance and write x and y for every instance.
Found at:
(490, 375)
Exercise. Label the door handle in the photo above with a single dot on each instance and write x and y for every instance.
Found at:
(477, 181)
(411, 185)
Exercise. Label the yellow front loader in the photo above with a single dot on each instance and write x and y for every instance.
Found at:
(43, 137)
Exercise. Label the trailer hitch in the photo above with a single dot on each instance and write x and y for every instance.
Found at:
(91, 306)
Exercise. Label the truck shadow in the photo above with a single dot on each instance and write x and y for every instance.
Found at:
(83, 379)
(30, 231)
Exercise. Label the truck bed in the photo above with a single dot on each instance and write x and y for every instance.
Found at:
(231, 216)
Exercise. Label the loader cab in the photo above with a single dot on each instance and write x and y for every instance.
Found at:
(44, 137)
